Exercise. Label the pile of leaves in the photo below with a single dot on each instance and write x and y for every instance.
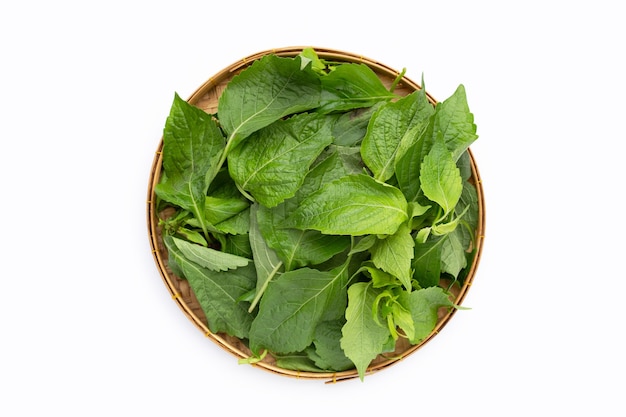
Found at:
(317, 213)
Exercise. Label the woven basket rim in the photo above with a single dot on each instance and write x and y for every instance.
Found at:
(160, 261)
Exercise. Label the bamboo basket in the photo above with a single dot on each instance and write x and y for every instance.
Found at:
(206, 98)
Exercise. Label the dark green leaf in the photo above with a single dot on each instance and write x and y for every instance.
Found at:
(328, 354)
(293, 306)
(269, 89)
(192, 145)
(297, 248)
(273, 162)
(392, 130)
(218, 293)
(351, 86)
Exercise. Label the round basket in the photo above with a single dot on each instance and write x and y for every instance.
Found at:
(206, 98)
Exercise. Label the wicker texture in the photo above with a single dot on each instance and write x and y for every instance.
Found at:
(206, 97)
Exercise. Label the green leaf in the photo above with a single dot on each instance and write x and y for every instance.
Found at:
(218, 209)
(267, 264)
(394, 253)
(454, 122)
(328, 354)
(352, 205)
(209, 258)
(423, 305)
(453, 258)
(440, 178)
(351, 86)
(378, 277)
(391, 131)
(427, 261)
(297, 248)
(236, 244)
(363, 338)
(350, 127)
(192, 145)
(273, 162)
(266, 91)
(237, 224)
(293, 306)
(298, 361)
(218, 292)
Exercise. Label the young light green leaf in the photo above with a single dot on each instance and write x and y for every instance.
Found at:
(218, 292)
(394, 124)
(192, 145)
(274, 161)
(394, 253)
(363, 338)
(266, 91)
(209, 258)
(454, 122)
(267, 264)
(378, 277)
(293, 306)
(423, 305)
(351, 86)
(352, 205)
(440, 178)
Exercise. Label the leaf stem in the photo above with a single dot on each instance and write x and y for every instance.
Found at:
(261, 291)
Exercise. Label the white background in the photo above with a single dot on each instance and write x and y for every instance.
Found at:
(88, 327)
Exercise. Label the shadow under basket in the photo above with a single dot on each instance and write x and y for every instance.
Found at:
(206, 98)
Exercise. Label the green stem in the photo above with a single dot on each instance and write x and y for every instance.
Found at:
(261, 291)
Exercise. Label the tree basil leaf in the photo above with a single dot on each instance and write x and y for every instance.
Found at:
(423, 305)
(218, 292)
(363, 338)
(453, 258)
(328, 354)
(267, 264)
(427, 261)
(394, 253)
(455, 123)
(440, 178)
(266, 91)
(352, 205)
(235, 225)
(292, 307)
(209, 258)
(392, 125)
(192, 145)
(297, 248)
(335, 162)
(236, 244)
(218, 209)
(273, 162)
(350, 127)
(350, 86)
